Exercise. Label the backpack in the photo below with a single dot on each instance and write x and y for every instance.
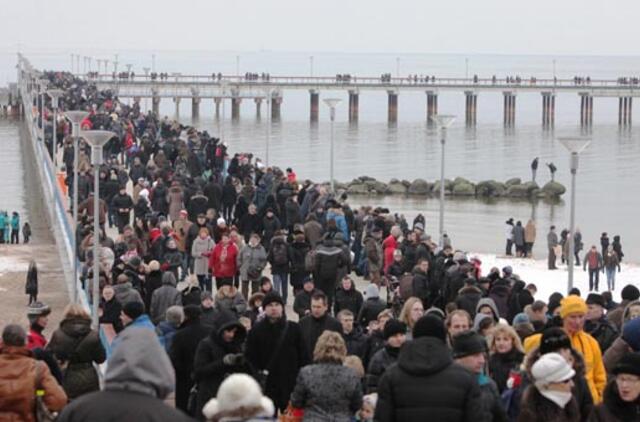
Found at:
(280, 256)
(310, 260)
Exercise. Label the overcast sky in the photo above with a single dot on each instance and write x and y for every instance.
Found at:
(595, 27)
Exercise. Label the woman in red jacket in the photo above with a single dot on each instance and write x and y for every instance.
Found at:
(222, 261)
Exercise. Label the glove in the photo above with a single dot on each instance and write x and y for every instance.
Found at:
(229, 359)
(240, 359)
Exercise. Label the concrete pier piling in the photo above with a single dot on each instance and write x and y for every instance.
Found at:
(217, 101)
(235, 108)
(432, 105)
(625, 110)
(586, 110)
(314, 105)
(509, 109)
(353, 106)
(155, 105)
(177, 100)
(276, 101)
(471, 105)
(258, 102)
(393, 106)
(548, 109)
(195, 108)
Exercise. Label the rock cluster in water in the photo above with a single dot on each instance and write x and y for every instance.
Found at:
(461, 187)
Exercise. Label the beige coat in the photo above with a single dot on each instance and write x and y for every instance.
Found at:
(530, 232)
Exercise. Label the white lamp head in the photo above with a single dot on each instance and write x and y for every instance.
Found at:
(332, 102)
(97, 139)
(575, 144)
(443, 120)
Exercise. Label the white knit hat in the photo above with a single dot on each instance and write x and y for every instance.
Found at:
(238, 391)
(551, 368)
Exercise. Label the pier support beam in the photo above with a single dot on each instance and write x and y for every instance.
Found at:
(393, 106)
(624, 111)
(471, 104)
(177, 101)
(509, 108)
(275, 108)
(548, 109)
(155, 105)
(258, 102)
(195, 108)
(217, 101)
(586, 110)
(314, 105)
(432, 105)
(353, 106)
(235, 108)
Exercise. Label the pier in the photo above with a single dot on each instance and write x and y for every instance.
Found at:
(235, 89)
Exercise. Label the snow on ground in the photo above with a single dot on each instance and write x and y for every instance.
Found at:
(12, 264)
(536, 272)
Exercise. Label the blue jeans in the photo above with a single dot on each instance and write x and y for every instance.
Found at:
(280, 284)
(611, 278)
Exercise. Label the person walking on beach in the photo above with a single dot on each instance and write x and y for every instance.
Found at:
(508, 231)
(26, 232)
(518, 239)
(534, 169)
(593, 259)
(552, 243)
(611, 264)
(31, 286)
(15, 228)
(529, 237)
(552, 170)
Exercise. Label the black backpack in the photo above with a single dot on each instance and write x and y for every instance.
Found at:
(280, 256)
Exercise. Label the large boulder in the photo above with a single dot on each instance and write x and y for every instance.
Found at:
(397, 188)
(553, 189)
(490, 188)
(448, 187)
(531, 187)
(380, 188)
(517, 191)
(358, 188)
(459, 180)
(463, 189)
(513, 181)
(419, 187)
(366, 178)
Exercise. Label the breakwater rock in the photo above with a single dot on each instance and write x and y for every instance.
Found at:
(512, 188)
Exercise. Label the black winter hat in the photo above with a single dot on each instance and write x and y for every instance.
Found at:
(630, 293)
(191, 312)
(468, 343)
(272, 297)
(554, 339)
(629, 364)
(133, 309)
(393, 327)
(430, 326)
(595, 299)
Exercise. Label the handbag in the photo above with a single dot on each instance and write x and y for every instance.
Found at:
(43, 414)
(291, 414)
(262, 375)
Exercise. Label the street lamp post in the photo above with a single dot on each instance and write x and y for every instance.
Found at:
(575, 145)
(55, 95)
(332, 103)
(75, 117)
(97, 139)
(267, 96)
(443, 121)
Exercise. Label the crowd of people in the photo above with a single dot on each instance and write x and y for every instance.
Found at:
(10, 228)
(448, 341)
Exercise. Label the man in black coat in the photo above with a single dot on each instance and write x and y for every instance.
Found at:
(213, 192)
(122, 204)
(276, 350)
(353, 336)
(328, 260)
(198, 204)
(317, 322)
(183, 352)
(426, 384)
(597, 324)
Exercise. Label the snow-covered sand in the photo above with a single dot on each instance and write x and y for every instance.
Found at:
(547, 282)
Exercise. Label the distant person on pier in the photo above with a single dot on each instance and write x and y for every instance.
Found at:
(552, 242)
(15, 228)
(508, 232)
(26, 232)
(534, 169)
(552, 170)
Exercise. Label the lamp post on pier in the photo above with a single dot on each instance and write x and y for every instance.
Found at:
(332, 103)
(443, 121)
(575, 145)
(75, 117)
(97, 139)
(55, 95)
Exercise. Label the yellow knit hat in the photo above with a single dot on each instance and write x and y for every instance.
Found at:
(572, 304)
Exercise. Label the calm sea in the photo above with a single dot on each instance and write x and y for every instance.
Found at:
(608, 197)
